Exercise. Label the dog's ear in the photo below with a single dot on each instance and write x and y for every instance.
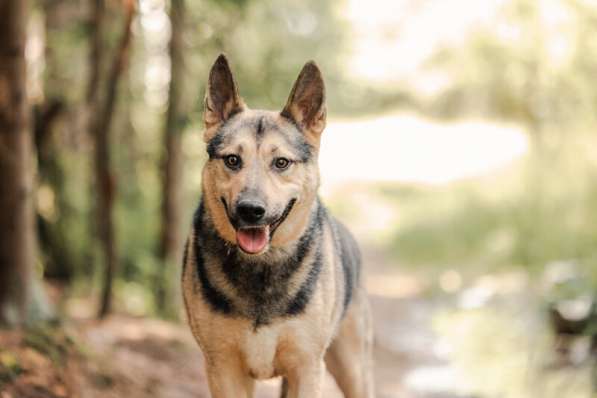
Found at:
(306, 103)
(221, 97)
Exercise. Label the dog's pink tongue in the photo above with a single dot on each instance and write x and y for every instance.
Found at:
(252, 240)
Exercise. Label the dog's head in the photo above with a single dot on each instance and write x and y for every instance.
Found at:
(262, 176)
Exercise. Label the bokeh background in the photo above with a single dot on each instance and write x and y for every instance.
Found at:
(460, 149)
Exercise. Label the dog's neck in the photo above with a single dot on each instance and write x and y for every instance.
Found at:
(258, 287)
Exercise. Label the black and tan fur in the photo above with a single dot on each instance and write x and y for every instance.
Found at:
(298, 305)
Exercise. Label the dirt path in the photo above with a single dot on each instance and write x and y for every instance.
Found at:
(128, 357)
(147, 357)
(144, 357)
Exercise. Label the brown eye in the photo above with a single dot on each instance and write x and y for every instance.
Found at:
(232, 162)
(281, 163)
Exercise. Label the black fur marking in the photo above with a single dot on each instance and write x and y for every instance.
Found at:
(299, 302)
(214, 145)
(305, 150)
(259, 129)
(217, 300)
(265, 286)
(185, 256)
(230, 219)
(234, 112)
(348, 280)
(261, 286)
(297, 140)
(286, 115)
(279, 222)
(350, 258)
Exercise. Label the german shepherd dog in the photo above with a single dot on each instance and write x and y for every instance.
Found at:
(271, 281)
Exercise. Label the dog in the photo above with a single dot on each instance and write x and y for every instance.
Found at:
(271, 282)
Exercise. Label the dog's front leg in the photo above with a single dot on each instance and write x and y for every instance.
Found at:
(305, 382)
(227, 380)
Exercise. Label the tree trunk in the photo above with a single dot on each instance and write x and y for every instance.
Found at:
(95, 58)
(105, 180)
(170, 241)
(17, 226)
(53, 237)
(90, 115)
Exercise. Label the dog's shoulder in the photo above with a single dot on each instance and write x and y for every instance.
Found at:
(349, 255)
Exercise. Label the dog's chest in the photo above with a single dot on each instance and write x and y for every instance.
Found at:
(259, 349)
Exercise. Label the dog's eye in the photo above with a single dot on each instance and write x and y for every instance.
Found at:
(281, 163)
(232, 162)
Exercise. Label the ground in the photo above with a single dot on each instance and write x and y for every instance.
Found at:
(126, 356)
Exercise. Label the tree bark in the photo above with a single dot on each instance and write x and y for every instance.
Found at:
(170, 237)
(53, 237)
(17, 226)
(96, 57)
(91, 113)
(105, 180)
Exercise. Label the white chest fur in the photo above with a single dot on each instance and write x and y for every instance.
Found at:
(259, 350)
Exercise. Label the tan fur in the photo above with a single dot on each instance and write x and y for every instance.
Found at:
(348, 358)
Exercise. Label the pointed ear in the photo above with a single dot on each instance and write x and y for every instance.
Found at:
(306, 103)
(221, 97)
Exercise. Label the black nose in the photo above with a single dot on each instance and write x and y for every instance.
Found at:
(250, 211)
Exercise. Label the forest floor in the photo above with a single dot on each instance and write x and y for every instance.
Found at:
(129, 357)
(125, 356)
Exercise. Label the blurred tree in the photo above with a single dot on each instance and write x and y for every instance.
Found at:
(105, 179)
(17, 234)
(77, 83)
(534, 65)
(267, 43)
(526, 66)
(62, 20)
(170, 238)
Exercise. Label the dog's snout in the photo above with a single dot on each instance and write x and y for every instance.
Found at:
(250, 211)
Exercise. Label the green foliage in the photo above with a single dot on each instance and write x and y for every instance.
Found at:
(524, 67)
(538, 213)
(502, 351)
(507, 70)
(10, 367)
(267, 43)
(52, 341)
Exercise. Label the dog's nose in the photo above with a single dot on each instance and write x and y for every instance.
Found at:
(250, 211)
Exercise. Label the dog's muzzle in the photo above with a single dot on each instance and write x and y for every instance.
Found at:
(253, 232)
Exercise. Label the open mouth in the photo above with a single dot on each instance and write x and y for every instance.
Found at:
(254, 239)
